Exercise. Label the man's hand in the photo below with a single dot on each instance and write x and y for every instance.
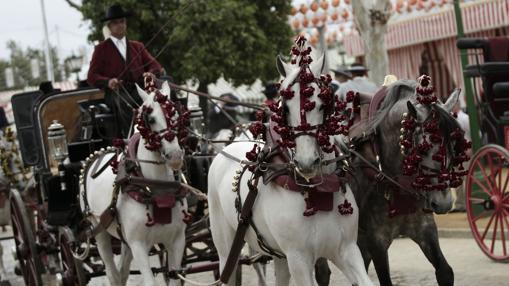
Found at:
(149, 74)
(114, 83)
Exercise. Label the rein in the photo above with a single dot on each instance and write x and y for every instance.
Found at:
(382, 175)
(211, 97)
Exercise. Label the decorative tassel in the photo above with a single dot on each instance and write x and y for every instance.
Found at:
(345, 208)
(150, 221)
(188, 218)
(310, 209)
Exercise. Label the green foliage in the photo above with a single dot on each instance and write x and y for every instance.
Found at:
(20, 62)
(206, 39)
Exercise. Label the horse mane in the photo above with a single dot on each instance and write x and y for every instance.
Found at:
(395, 92)
(405, 89)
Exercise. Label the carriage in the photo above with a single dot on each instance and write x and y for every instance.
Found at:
(487, 191)
(46, 216)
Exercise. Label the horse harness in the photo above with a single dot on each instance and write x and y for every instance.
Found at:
(130, 181)
(271, 163)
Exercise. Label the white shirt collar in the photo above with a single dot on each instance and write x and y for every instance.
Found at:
(120, 44)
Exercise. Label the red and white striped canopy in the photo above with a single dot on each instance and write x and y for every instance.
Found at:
(477, 16)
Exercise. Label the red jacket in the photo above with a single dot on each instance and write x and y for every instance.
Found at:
(107, 63)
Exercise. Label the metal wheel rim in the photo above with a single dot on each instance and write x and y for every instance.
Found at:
(72, 268)
(22, 232)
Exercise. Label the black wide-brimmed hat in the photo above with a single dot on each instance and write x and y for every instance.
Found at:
(270, 90)
(357, 67)
(342, 70)
(230, 105)
(116, 12)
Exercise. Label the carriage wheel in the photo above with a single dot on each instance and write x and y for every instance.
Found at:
(26, 249)
(73, 273)
(487, 187)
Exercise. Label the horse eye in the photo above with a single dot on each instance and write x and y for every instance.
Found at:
(151, 120)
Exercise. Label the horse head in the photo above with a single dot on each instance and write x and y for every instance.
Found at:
(162, 124)
(306, 116)
(430, 145)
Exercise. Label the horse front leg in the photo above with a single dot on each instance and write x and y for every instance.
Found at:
(427, 239)
(322, 272)
(378, 248)
(259, 268)
(301, 267)
(103, 241)
(3, 273)
(126, 256)
(282, 272)
(349, 260)
(140, 253)
(363, 246)
(175, 250)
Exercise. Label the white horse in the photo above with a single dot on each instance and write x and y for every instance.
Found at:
(278, 213)
(132, 215)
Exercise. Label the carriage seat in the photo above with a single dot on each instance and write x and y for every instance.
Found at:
(369, 104)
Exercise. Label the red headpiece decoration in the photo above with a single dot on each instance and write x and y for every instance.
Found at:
(450, 173)
(175, 126)
(336, 113)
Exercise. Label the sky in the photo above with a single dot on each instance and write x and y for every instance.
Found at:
(21, 21)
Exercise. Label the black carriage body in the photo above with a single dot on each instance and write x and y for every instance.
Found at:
(33, 113)
(494, 73)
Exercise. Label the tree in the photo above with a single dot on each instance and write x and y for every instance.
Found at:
(20, 61)
(371, 18)
(206, 39)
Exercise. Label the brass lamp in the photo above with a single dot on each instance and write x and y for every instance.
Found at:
(57, 141)
(58, 148)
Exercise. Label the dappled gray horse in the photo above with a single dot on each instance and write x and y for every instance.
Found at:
(421, 149)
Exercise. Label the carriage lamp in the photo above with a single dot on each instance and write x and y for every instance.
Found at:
(196, 119)
(57, 141)
(58, 148)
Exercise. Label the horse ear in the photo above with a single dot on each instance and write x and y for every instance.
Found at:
(452, 100)
(282, 67)
(412, 111)
(144, 96)
(165, 88)
(318, 66)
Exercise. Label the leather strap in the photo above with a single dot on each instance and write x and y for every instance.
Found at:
(95, 172)
(244, 222)
(384, 175)
(105, 220)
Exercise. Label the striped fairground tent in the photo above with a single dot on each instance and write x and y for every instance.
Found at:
(426, 40)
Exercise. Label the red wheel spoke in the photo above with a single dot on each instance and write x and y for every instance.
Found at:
(501, 216)
(492, 171)
(481, 215)
(505, 219)
(488, 226)
(483, 187)
(494, 237)
(500, 170)
(476, 201)
(504, 189)
(483, 171)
